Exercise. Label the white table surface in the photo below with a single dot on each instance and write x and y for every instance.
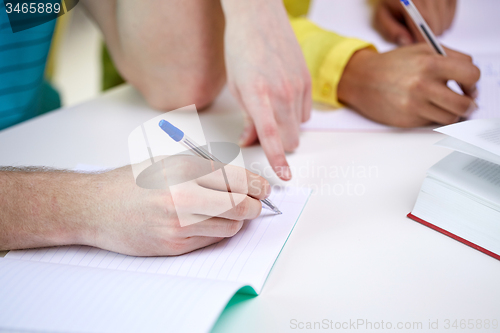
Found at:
(350, 257)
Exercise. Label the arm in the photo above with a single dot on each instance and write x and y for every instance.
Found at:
(171, 51)
(108, 210)
(326, 54)
(44, 208)
(268, 76)
(178, 52)
(404, 88)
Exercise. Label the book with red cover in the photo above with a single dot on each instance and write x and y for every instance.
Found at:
(460, 196)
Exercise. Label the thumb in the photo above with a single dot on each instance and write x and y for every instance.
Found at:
(392, 30)
(249, 134)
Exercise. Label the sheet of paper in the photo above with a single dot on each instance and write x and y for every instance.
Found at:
(343, 119)
(247, 257)
(488, 87)
(467, 148)
(482, 133)
(45, 297)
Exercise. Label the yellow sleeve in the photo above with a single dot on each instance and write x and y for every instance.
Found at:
(297, 8)
(326, 54)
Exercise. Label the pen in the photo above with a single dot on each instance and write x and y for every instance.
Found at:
(424, 29)
(422, 26)
(178, 136)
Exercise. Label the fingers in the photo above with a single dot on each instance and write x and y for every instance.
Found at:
(246, 209)
(458, 55)
(249, 135)
(269, 135)
(307, 102)
(441, 14)
(438, 14)
(437, 115)
(240, 180)
(394, 23)
(192, 243)
(214, 227)
(432, 13)
(203, 201)
(390, 27)
(448, 100)
(299, 110)
(459, 68)
(286, 102)
(288, 124)
(469, 90)
(439, 17)
(450, 13)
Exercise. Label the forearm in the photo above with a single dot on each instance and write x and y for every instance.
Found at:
(327, 55)
(104, 14)
(252, 12)
(45, 208)
(356, 80)
(171, 51)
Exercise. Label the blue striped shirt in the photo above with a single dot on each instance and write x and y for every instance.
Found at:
(22, 64)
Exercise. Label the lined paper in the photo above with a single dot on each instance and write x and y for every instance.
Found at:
(488, 87)
(44, 297)
(247, 257)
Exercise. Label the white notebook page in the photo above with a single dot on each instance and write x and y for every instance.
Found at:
(247, 257)
(45, 297)
(481, 133)
(488, 87)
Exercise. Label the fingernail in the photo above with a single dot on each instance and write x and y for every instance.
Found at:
(286, 173)
(403, 41)
(472, 107)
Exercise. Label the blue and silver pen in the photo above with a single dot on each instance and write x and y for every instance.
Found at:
(422, 26)
(178, 136)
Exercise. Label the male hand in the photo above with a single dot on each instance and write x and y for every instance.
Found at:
(407, 87)
(139, 221)
(268, 75)
(392, 21)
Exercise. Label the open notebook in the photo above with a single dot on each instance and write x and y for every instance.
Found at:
(85, 289)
